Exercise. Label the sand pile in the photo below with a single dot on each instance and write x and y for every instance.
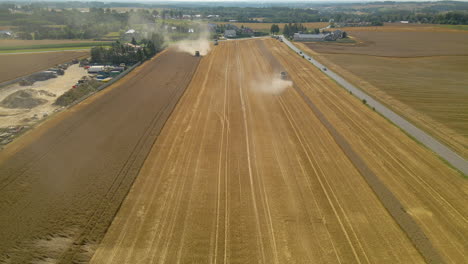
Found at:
(27, 98)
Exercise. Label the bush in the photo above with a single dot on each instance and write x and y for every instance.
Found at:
(364, 101)
(74, 94)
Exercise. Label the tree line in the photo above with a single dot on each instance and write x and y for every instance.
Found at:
(128, 54)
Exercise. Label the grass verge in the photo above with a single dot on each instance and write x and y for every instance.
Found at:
(74, 94)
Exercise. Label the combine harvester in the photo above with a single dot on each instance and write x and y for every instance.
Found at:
(284, 75)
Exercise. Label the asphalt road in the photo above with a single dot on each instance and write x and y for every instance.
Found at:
(442, 150)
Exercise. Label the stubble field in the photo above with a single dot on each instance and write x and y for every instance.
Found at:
(19, 42)
(420, 75)
(61, 183)
(245, 171)
(16, 65)
(267, 26)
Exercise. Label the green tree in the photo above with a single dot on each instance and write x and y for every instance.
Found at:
(140, 55)
(274, 29)
(286, 31)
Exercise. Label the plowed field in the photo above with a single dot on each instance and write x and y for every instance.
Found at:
(62, 183)
(245, 172)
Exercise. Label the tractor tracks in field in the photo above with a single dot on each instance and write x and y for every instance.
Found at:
(129, 171)
(388, 199)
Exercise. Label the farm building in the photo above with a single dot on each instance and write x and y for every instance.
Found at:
(136, 47)
(230, 33)
(308, 37)
(5, 33)
(331, 36)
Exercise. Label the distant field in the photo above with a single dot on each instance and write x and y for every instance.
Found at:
(421, 75)
(18, 43)
(457, 27)
(17, 65)
(398, 27)
(52, 47)
(400, 44)
(267, 26)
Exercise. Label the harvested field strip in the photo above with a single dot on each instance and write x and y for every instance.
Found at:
(16, 65)
(391, 203)
(68, 177)
(429, 190)
(241, 174)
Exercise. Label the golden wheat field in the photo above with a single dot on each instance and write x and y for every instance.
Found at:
(421, 75)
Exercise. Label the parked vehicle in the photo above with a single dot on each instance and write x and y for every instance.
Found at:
(57, 70)
(96, 69)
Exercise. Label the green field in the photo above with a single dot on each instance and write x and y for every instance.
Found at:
(459, 27)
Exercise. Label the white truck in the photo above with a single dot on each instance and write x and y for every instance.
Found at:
(96, 69)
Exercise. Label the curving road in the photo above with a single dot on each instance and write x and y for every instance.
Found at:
(442, 150)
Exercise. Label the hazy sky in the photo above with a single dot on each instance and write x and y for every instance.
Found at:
(269, 1)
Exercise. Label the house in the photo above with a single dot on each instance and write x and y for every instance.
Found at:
(6, 33)
(404, 22)
(135, 47)
(212, 27)
(337, 34)
(230, 33)
(130, 31)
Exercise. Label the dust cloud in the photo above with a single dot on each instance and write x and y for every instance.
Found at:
(271, 85)
(202, 44)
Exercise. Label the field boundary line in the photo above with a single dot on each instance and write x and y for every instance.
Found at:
(438, 148)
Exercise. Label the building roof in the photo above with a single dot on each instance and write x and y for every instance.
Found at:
(308, 36)
(230, 32)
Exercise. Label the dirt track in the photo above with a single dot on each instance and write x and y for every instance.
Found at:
(17, 65)
(61, 184)
(242, 176)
